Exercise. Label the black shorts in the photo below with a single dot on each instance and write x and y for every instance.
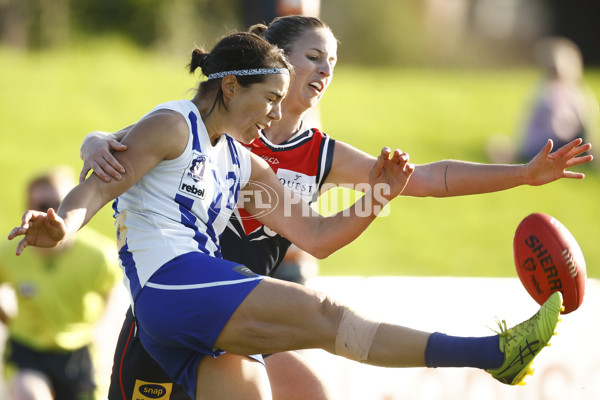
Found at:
(71, 374)
(135, 374)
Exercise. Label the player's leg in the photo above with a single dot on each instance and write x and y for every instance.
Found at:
(278, 316)
(292, 378)
(281, 316)
(28, 384)
(232, 377)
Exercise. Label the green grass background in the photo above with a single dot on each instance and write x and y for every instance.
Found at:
(50, 100)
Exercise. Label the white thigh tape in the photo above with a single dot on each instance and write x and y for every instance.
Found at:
(355, 336)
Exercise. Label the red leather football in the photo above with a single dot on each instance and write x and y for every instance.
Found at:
(548, 259)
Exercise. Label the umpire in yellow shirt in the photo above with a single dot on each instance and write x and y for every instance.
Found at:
(61, 293)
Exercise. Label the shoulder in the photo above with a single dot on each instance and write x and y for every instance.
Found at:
(166, 120)
(161, 131)
(320, 134)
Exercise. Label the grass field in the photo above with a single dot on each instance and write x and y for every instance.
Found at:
(48, 101)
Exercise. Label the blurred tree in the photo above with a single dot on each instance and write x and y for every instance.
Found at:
(392, 32)
(385, 32)
(34, 23)
(184, 23)
(136, 19)
(13, 28)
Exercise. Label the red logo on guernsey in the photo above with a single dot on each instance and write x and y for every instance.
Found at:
(270, 160)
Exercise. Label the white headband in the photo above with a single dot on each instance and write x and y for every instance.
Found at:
(245, 72)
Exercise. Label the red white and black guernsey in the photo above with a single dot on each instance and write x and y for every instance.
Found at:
(302, 164)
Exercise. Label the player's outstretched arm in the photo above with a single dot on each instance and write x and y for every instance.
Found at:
(458, 178)
(289, 216)
(158, 136)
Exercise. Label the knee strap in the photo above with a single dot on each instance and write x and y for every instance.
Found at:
(355, 336)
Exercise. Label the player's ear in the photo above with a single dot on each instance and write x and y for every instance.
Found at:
(229, 86)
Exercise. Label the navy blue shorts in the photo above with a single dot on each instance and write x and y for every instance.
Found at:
(71, 373)
(183, 308)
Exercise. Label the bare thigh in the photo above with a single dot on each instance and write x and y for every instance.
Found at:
(280, 316)
(292, 378)
(232, 377)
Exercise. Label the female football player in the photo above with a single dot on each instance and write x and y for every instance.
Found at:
(289, 146)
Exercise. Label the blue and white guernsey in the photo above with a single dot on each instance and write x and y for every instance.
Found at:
(181, 205)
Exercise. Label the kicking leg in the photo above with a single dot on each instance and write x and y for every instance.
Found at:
(280, 316)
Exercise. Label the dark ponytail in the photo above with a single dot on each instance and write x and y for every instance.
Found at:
(199, 56)
(258, 29)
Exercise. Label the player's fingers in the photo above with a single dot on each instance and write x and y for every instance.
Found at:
(52, 215)
(21, 246)
(570, 146)
(98, 170)
(409, 169)
(548, 147)
(573, 175)
(385, 153)
(26, 219)
(84, 171)
(110, 168)
(575, 151)
(404, 157)
(116, 145)
(396, 155)
(578, 161)
(113, 162)
(18, 231)
(379, 163)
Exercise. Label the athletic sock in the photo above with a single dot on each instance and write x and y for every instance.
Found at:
(453, 351)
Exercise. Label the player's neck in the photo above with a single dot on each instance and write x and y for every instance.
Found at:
(285, 128)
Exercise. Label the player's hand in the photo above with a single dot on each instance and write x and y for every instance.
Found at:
(393, 170)
(96, 153)
(39, 229)
(545, 167)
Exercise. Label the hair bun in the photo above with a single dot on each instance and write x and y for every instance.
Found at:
(258, 29)
(199, 57)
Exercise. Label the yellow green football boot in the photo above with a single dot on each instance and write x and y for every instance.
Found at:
(522, 343)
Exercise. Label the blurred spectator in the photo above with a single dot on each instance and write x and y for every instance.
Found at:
(60, 293)
(563, 107)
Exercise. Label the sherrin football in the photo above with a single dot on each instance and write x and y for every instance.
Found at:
(548, 259)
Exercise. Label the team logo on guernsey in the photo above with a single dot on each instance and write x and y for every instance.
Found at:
(301, 184)
(151, 391)
(196, 170)
(192, 181)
